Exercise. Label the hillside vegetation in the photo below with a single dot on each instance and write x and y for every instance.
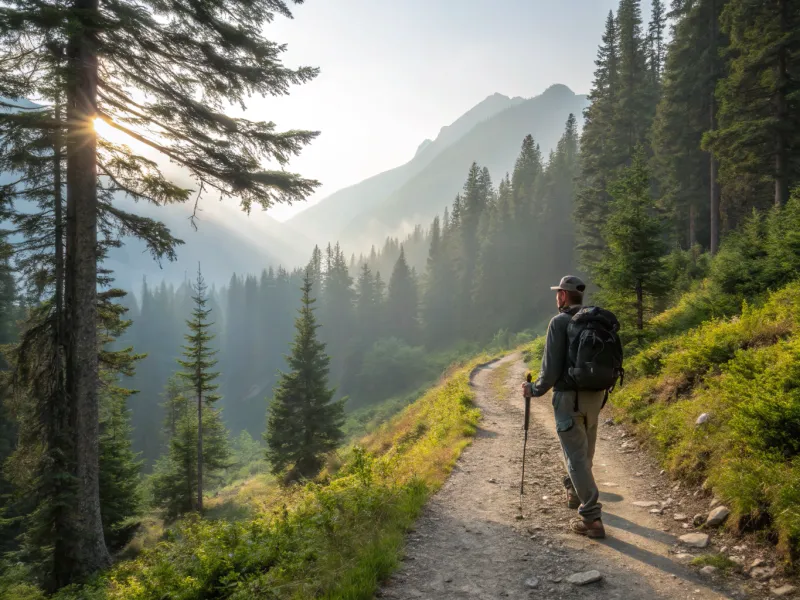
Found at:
(336, 537)
(743, 372)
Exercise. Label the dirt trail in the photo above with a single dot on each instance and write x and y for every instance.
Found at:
(473, 542)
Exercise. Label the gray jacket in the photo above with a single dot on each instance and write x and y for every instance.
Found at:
(553, 374)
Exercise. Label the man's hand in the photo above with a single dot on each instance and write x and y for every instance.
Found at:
(527, 390)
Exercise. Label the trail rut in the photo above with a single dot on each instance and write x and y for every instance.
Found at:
(473, 541)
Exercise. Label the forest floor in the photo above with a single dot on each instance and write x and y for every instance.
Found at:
(476, 539)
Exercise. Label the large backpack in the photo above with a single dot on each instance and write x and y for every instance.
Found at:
(595, 352)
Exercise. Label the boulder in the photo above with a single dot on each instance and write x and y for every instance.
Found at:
(709, 570)
(717, 516)
(784, 591)
(680, 517)
(703, 419)
(646, 504)
(585, 578)
(695, 540)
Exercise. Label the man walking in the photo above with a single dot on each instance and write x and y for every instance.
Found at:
(576, 414)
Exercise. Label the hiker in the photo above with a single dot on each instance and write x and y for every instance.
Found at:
(576, 408)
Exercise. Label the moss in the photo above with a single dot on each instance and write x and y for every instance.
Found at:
(720, 561)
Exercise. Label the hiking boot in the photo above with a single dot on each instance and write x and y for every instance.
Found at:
(573, 501)
(594, 530)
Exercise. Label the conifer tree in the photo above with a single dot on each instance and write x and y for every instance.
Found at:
(558, 234)
(600, 154)
(197, 362)
(631, 272)
(636, 97)
(655, 40)
(686, 173)
(175, 405)
(475, 195)
(303, 423)
(336, 311)
(493, 297)
(440, 284)
(368, 307)
(119, 465)
(11, 513)
(759, 99)
(402, 303)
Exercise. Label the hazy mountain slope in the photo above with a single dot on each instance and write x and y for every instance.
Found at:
(324, 221)
(494, 143)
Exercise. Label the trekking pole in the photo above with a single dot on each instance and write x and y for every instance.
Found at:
(525, 443)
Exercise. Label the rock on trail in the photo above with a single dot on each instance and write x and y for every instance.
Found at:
(473, 541)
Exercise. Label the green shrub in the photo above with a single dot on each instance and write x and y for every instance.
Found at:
(745, 373)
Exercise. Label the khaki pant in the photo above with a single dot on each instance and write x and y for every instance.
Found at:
(577, 431)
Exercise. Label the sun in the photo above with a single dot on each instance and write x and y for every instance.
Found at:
(115, 136)
(107, 132)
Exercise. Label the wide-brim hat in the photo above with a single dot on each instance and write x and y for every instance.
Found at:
(570, 283)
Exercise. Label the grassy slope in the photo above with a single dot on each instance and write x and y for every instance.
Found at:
(744, 371)
(334, 538)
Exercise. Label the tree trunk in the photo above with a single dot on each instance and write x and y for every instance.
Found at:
(199, 447)
(83, 550)
(782, 110)
(639, 306)
(57, 411)
(713, 166)
(692, 226)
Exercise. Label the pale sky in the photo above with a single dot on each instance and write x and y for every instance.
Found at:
(394, 72)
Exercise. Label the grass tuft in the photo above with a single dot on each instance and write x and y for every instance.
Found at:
(720, 561)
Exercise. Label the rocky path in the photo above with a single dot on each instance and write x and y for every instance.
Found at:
(475, 539)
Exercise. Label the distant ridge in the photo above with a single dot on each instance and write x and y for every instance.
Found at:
(326, 220)
(393, 202)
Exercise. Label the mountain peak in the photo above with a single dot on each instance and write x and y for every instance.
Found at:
(558, 89)
(423, 145)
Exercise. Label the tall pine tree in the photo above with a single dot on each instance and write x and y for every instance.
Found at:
(600, 154)
(402, 303)
(197, 362)
(304, 423)
(631, 272)
(759, 99)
